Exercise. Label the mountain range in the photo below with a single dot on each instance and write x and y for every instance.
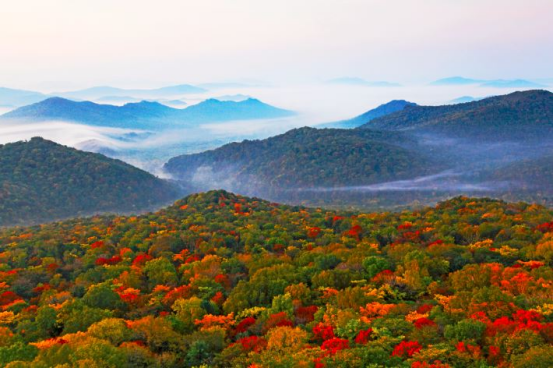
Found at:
(144, 114)
(43, 181)
(381, 110)
(102, 91)
(421, 152)
(496, 83)
(499, 146)
(10, 97)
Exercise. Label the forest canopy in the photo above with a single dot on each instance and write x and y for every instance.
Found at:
(222, 280)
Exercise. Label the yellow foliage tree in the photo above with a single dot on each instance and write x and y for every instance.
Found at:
(286, 338)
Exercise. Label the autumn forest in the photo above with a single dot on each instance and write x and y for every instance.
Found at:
(221, 280)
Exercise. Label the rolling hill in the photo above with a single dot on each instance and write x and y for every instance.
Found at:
(44, 181)
(144, 115)
(303, 158)
(519, 116)
(366, 117)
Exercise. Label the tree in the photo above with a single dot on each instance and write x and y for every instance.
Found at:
(113, 330)
(102, 296)
(467, 329)
(188, 311)
(281, 339)
(160, 271)
(375, 265)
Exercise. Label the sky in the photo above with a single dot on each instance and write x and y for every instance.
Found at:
(65, 44)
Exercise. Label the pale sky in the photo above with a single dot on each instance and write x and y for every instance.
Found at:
(53, 44)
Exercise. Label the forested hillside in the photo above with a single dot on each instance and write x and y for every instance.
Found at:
(219, 280)
(44, 181)
(304, 158)
(520, 116)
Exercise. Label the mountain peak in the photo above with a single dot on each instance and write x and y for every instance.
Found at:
(147, 104)
(456, 80)
(381, 110)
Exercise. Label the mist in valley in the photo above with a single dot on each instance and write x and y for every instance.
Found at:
(474, 168)
(465, 168)
(315, 104)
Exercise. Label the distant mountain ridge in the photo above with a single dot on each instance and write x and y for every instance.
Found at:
(144, 114)
(10, 97)
(43, 181)
(496, 83)
(511, 83)
(517, 116)
(366, 117)
(456, 81)
(97, 92)
(465, 99)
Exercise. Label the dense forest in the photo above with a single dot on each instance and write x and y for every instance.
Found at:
(520, 116)
(43, 181)
(220, 280)
(305, 158)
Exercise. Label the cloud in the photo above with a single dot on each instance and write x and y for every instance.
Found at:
(61, 132)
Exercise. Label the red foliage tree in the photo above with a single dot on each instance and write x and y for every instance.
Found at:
(424, 322)
(363, 336)
(313, 232)
(335, 344)
(277, 320)
(323, 332)
(245, 324)
(252, 343)
(306, 314)
(406, 349)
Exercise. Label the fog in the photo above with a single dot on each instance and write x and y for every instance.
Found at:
(61, 132)
(323, 102)
(445, 181)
